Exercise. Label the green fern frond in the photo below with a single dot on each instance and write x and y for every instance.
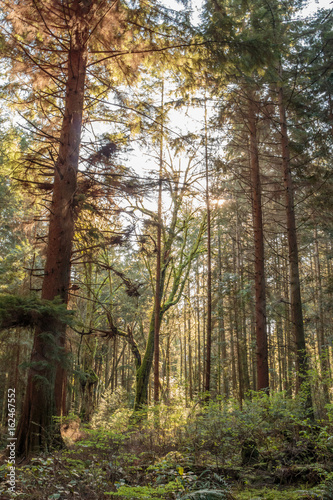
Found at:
(205, 495)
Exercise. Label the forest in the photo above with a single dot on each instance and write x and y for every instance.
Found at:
(166, 264)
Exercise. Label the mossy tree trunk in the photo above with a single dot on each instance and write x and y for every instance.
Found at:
(180, 276)
(143, 371)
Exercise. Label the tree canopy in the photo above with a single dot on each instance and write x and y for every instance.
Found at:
(166, 239)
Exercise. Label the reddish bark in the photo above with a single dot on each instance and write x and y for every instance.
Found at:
(259, 263)
(46, 389)
(295, 288)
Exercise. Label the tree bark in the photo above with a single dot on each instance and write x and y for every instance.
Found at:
(259, 258)
(158, 266)
(143, 372)
(209, 270)
(295, 288)
(222, 339)
(322, 343)
(189, 342)
(46, 390)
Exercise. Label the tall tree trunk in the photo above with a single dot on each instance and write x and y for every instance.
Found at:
(232, 352)
(158, 265)
(46, 388)
(302, 363)
(253, 351)
(259, 262)
(197, 277)
(222, 339)
(190, 368)
(185, 356)
(288, 340)
(235, 314)
(209, 269)
(167, 371)
(143, 372)
(322, 344)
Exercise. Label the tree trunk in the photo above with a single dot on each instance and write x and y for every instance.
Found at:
(222, 339)
(295, 289)
(46, 389)
(190, 368)
(259, 262)
(158, 265)
(209, 270)
(143, 372)
(167, 370)
(322, 343)
(185, 357)
(197, 277)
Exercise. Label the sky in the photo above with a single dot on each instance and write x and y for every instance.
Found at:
(179, 124)
(312, 6)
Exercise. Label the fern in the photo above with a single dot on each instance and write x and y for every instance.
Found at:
(324, 492)
(208, 487)
(205, 495)
(213, 480)
(328, 490)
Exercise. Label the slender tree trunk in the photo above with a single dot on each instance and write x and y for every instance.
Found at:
(114, 365)
(198, 326)
(232, 349)
(279, 327)
(259, 263)
(237, 312)
(181, 370)
(322, 345)
(209, 269)
(143, 372)
(302, 363)
(185, 356)
(288, 340)
(158, 265)
(223, 343)
(254, 351)
(190, 368)
(243, 329)
(167, 370)
(46, 389)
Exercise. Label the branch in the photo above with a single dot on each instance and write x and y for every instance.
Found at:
(178, 284)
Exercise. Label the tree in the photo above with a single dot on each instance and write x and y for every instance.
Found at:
(259, 259)
(209, 265)
(226, 25)
(280, 32)
(58, 45)
(176, 263)
(295, 288)
(157, 299)
(43, 400)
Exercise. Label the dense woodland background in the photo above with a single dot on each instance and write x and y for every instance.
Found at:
(166, 247)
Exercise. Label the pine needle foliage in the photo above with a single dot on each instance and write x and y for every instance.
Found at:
(28, 311)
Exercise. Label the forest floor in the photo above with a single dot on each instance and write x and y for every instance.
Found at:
(217, 452)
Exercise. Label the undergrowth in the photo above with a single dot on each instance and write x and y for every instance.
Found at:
(268, 449)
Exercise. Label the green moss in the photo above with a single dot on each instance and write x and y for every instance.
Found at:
(271, 494)
(144, 492)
